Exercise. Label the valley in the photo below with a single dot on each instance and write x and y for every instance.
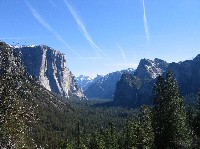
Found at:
(51, 111)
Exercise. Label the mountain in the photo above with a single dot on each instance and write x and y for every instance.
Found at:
(187, 74)
(104, 87)
(48, 66)
(84, 82)
(28, 111)
(135, 89)
(150, 68)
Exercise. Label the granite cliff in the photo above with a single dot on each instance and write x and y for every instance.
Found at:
(48, 67)
(187, 74)
(135, 90)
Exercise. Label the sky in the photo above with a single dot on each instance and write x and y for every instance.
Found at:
(103, 36)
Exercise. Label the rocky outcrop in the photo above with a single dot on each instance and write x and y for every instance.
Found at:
(48, 67)
(187, 74)
(150, 68)
(126, 92)
(104, 87)
(134, 90)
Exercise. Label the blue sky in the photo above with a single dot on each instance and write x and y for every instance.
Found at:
(102, 36)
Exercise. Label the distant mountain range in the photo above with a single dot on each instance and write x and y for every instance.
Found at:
(125, 87)
(101, 87)
(135, 89)
(84, 82)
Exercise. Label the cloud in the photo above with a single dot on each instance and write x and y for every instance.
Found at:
(42, 21)
(83, 30)
(146, 27)
(123, 54)
(52, 3)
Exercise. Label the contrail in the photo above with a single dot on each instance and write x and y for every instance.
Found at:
(146, 27)
(123, 54)
(52, 3)
(48, 27)
(83, 29)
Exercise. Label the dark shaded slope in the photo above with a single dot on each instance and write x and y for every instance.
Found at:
(28, 112)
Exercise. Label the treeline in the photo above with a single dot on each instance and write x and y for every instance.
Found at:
(168, 124)
(30, 117)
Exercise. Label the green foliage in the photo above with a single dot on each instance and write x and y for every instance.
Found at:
(96, 140)
(17, 114)
(169, 116)
(32, 117)
(138, 133)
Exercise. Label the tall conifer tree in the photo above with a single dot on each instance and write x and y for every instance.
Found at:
(169, 116)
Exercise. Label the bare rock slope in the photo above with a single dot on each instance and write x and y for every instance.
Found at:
(48, 67)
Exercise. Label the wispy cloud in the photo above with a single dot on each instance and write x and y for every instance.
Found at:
(146, 27)
(83, 30)
(52, 3)
(48, 27)
(122, 52)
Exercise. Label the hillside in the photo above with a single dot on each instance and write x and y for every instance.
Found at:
(27, 108)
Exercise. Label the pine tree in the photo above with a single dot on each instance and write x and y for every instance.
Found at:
(96, 141)
(196, 124)
(126, 140)
(79, 140)
(169, 116)
(147, 130)
(138, 133)
(110, 137)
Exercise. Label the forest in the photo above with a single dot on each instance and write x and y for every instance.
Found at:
(30, 119)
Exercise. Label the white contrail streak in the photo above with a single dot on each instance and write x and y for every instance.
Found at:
(123, 54)
(48, 27)
(83, 29)
(146, 27)
(52, 3)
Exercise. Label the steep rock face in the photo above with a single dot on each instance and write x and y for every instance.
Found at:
(135, 90)
(104, 87)
(132, 91)
(48, 66)
(187, 74)
(150, 69)
(127, 90)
